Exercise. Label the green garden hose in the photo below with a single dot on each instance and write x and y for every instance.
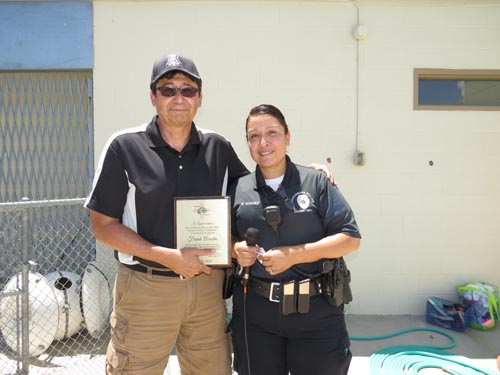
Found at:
(410, 359)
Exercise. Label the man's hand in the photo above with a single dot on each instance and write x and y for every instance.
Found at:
(324, 168)
(188, 264)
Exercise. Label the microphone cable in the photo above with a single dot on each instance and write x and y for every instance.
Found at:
(252, 237)
(245, 328)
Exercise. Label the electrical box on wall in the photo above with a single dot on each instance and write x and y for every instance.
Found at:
(359, 158)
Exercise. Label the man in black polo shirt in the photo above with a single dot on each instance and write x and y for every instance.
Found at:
(140, 172)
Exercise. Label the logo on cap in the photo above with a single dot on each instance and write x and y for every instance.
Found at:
(173, 60)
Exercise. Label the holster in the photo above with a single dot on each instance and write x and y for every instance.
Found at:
(231, 276)
(336, 284)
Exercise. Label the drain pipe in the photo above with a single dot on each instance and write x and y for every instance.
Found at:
(360, 33)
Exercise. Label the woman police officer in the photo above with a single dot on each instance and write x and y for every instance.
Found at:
(299, 225)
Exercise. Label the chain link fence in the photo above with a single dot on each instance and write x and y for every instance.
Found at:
(55, 297)
(55, 279)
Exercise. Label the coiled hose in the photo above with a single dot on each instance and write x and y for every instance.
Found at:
(410, 359)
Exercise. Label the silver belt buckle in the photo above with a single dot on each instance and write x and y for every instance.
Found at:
(271, 292)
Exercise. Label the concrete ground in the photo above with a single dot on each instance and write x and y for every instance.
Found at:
(480, 347)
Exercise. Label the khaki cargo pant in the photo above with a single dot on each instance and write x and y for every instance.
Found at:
(153, 313)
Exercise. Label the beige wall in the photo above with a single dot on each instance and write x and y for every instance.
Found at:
(426, 228)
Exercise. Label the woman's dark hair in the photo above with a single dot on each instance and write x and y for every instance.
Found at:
(267, 109)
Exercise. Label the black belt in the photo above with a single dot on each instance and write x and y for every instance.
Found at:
(271, 290)
(154, 271)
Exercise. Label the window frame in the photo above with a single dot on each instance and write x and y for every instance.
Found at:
(452, 74)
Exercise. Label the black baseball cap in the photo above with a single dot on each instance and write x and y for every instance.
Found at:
(171, 62)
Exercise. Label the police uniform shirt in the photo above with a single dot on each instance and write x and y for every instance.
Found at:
(310, 208)
(139, 175)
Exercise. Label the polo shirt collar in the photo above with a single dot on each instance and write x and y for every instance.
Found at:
(156, 140)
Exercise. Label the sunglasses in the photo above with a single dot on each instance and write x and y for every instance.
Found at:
(170, 91)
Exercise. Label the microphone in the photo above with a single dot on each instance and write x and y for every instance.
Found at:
(252, 237)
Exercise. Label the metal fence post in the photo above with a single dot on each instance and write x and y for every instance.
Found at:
(25, 318)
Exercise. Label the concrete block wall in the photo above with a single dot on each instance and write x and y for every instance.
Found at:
(426, 228)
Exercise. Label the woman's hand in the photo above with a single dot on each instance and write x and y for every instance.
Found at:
(246, 255)
(276, 260)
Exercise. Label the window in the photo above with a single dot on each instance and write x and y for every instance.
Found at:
(450, 89)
